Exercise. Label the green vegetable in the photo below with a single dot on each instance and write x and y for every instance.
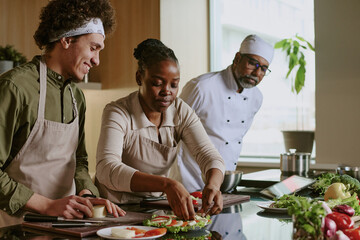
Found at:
(201, 222)
(307, 215)
(286, 201)
(323, 182)
(326, 179)
(352, 184)
(351, 201)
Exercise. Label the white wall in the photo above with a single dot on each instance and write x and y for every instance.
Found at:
(184, 28)
(337, 41)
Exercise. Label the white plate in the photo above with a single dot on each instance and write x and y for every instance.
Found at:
(266, 207)
(106, 232)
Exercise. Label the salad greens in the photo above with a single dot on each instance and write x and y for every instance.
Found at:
(323, 182)
(307, 216)
(286, 201)
(173, 224)
(326, 179)
(351, 201)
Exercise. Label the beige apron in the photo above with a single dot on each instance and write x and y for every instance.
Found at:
(153, 158)
(46, 163)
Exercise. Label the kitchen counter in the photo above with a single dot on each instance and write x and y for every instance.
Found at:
(241, 221)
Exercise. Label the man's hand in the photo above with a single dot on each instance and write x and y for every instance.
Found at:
(69, 207)
(111, 208)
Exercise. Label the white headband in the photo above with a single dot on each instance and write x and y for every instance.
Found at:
(93, 26)
(253, 44)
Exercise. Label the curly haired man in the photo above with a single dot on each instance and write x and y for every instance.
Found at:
(43, 160)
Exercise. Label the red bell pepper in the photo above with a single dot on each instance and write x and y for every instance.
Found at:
(352, 233)
(342, 221)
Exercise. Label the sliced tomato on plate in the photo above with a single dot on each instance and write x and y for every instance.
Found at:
(155, 232)
(137, 230)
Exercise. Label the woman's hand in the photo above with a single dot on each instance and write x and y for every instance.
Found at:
(211, 193)
(212, 201)
(180, 200)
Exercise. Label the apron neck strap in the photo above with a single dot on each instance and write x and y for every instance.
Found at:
(75, 110)
(42, 100)
(43, 81)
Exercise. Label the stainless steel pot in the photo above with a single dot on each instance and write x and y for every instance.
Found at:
(351, 171)
(295, 163)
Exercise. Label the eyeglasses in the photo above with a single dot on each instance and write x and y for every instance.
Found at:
(254, 64)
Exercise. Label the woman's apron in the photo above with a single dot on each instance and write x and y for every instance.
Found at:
(46, 163)
(146, 156)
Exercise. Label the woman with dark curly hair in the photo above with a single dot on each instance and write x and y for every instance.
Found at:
(140, 134)
(43, 160)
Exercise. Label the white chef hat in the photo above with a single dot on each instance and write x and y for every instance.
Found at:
(253, 44)
(94, 25)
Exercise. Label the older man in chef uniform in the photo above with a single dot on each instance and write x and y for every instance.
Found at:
(43, 161)
(226, 102)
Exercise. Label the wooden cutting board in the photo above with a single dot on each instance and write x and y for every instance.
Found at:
(131, 218)
(228, 199)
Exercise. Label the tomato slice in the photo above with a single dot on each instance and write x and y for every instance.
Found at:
(155, 232)
(195, 202)
(197, 194)
(137, 230)
(173, 222)
(184, 224)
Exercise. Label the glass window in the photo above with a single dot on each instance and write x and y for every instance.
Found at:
(231, 21)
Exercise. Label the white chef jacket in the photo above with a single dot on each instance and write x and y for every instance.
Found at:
(129, 142)
(226, 116)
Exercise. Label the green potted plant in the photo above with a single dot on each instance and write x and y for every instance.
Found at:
(9, 58)
(294, 49)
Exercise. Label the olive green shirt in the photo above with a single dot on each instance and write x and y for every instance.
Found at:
(19, 99)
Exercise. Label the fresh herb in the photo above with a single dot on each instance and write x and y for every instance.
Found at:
(307, 215)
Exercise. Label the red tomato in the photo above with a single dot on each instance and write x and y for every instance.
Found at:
(184, 224)
(137, 230)
(197, 194)
(195, 202)
(342, 221)
(173, 222)
(352, 233)
(155, 232)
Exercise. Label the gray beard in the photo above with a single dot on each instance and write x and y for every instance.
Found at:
(243, 82)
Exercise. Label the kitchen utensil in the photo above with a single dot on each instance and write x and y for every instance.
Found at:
(351, 171)
(30, 217)
(295, 163)
(231, 181)
(74, 224)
